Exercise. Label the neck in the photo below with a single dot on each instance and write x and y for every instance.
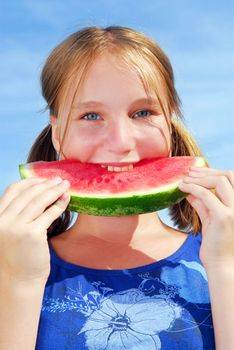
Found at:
(123, 231)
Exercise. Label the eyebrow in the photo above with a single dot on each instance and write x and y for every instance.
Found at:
(100, 104)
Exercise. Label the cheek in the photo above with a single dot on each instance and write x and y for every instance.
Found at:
(156, 141)
(78, 144)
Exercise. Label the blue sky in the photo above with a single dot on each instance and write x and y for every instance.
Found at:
(197, 36)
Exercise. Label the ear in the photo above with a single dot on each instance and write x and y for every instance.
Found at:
(55, 133)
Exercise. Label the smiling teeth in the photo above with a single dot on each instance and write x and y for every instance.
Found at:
(117, 169)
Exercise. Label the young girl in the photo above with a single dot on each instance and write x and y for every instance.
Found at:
(129, 282)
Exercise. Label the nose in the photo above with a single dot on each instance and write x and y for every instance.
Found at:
(121, 138)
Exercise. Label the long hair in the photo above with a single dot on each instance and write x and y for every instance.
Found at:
(65, 70)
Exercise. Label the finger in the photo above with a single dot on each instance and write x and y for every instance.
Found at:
(53, 212)
(201, 168)
(222, 186)
(211, 202)
(13, 190)
(199, 172)
(41, 202)
(26, 196)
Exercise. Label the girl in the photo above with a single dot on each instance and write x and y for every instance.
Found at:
(128, 282)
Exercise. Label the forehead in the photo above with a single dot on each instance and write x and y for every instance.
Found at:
(113, 80)
(110, 77)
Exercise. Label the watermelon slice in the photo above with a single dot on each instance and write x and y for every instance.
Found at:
(150, 186)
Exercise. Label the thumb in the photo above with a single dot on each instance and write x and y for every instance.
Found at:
(199, 206)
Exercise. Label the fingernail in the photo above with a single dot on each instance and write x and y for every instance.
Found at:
(57, 180)
(186, 178)
(181, 184)
(64, 197)
(196, 167)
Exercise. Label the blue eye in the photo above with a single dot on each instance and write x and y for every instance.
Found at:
(91, 115)
(143, 113)
(94, 116)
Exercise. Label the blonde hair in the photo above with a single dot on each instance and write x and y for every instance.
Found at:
(66, 68)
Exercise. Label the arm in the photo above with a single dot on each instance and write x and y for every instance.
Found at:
(221, 286)
(216, 212)
(20, 305)
(27, 209)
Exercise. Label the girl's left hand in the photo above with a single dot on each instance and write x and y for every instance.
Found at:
(216, 211)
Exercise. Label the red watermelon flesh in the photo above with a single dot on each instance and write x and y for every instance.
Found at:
(151, 185)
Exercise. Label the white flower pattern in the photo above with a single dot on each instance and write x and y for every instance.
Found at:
(160, 311)
(130, 320)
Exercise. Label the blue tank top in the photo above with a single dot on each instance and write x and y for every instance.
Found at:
(164, 305)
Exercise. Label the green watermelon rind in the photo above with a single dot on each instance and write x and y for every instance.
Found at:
(23, 171)
(126, 203)
(121, 206)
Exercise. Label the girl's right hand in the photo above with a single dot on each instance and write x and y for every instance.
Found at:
(27, 209)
